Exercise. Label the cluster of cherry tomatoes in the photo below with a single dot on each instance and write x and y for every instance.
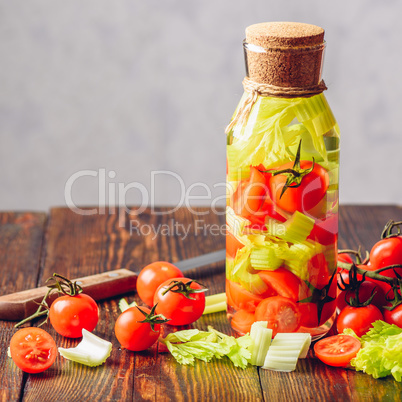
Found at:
(174, 299)
(371, 290)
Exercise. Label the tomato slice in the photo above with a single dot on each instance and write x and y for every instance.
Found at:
(325, 231)
(337, 350)
(241, 299)
(33, 350)
(232, 244)
(285, 283)
(281, 314)
(250, 194)
(242, 321)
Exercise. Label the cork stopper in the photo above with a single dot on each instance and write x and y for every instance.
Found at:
(284, 54)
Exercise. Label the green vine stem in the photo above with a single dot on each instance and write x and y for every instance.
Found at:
(60, 284)
(376, 274)
(389, 227)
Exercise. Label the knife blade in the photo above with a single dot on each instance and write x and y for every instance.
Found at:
(19, 305)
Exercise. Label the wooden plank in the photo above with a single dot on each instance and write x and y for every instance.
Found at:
(77, 245)
(20, 250)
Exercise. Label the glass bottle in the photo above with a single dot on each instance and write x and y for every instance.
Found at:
(282, 176)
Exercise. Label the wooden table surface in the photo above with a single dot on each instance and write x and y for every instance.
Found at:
(35, 245)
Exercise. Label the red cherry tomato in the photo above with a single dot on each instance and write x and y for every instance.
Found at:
(366, 289)
(337, 350)
(232, 245)
(33, 350)
(304, 197)
(176, 307)
(132, 333)
(281, 314)
(360, 319)
(242, 321)
(394, 316)
(387, 252)
(152, 276)
(70, 314)
(285, 283)
(240, 298)
(345, 257)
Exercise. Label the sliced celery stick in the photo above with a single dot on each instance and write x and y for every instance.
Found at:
(265, 257)
(261, 336)
(123, 305)
(297, 228)
(285, 350)
(215, 303)
(298, 257)
(91, 351)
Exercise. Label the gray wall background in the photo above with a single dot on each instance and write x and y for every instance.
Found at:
(133, 86)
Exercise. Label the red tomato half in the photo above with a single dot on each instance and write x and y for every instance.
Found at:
(281, 314)
(152, 276)
(304, 197)
(360, 319)
(250, 194)
(337, 350)
(241, 299)
(179, 309)
(284, 283)
(325, 231)
(33, 350)
(242, 321)
(132, 333)
(232, 245)
(70, 314)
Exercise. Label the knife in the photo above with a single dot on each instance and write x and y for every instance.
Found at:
(17, 306)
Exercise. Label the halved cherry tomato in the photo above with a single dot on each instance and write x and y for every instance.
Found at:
(33, 350)
(337, 350)
(250, 194)
(360, 319)
(242, 321)
(70, 314)
(281, 314)
(232, 244)
(304, 197)
(285, 283)
(240, 298)
(152, 276)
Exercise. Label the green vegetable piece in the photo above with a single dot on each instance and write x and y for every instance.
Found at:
(261, 336)
(215, 303)
(91, 351)
(381, 351)
(123, 305)
(188, 345)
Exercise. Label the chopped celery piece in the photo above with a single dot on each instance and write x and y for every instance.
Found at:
(265, 258)
(235, 223)
(91, 351)
(296, 229)
(252, 282)
(298, 257)
(215, 303)
(261, 336)
(285, 350)
(123, 305)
